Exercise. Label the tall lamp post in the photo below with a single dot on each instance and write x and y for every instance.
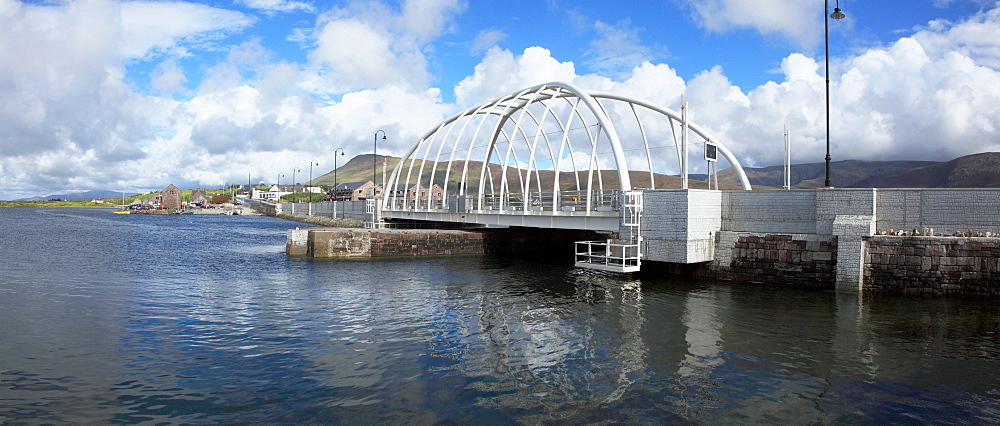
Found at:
(311, 163)
(277, 183)
(294, 169)
(335, 181)
(838, 15)
(374, 163)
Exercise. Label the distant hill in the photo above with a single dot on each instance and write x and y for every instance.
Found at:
(359, 169)
(972, 171)
(87, 195)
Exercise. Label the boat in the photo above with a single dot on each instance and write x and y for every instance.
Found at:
(124, 210)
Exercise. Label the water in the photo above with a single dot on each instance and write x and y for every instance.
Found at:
(203, 319)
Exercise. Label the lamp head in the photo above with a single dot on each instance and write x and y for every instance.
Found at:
(837, 14)
(383, 136)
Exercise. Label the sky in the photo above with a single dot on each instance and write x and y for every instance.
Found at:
(135, 95)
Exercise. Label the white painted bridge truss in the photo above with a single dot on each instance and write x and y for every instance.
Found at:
(556, 156)
(551, 156)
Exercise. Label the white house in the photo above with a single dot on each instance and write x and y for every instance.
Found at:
(275, 192)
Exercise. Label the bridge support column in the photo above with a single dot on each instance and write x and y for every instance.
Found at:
(851, 230)
(679, 226)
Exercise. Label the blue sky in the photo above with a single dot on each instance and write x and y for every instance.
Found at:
(136, 95)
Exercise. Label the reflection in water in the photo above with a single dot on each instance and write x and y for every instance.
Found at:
(204, 319)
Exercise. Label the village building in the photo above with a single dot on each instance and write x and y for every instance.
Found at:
(275, 192)
(200, 196)
(353, 191)
(416, 191)
(171, 197)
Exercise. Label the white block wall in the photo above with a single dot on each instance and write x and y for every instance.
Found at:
(944, 210)
(831, 203)
(775, 212)
(679, 226)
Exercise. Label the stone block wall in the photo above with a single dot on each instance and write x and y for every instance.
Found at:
(396, 243)
(780, 259)
(350, 243)
(932, 266)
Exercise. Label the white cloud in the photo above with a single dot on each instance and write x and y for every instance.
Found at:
(70, 119)
(67, 109)
(501, 72)
(149, 26)
(976, 38)
(370, 45)
(487, 39)
(168, 77)
(425, 20)
(617, 49)
(793, 19)
(279, 5)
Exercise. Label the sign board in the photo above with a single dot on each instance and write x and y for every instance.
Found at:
(711, 152)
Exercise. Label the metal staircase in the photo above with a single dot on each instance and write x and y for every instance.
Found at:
(617, 255)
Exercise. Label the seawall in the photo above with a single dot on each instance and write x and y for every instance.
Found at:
(362, 243)
(900, 241)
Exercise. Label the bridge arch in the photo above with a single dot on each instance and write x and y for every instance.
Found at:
(553, 146)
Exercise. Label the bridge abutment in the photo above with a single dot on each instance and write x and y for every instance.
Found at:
(826, 237)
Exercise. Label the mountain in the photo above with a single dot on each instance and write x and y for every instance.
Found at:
(843, 174)
(972, 171)
(359, 169)
(87, 195)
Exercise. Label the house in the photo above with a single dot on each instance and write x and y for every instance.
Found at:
(272, 194)
(353, 191)
(416, 191)
(275, 192)
(199, 196)
(171, 197)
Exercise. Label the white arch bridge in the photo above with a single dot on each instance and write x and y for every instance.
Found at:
(549, 156)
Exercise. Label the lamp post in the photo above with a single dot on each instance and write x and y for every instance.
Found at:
(335, 181)
(278, 184)
(374, 163)
(838, 15)
(294, 169)
(311, 163)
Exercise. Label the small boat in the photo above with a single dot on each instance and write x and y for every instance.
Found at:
(122, 212)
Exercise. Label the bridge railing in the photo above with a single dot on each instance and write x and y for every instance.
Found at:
(606, 200)
(566, 201)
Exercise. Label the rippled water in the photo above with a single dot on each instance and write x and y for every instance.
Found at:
(203, 319)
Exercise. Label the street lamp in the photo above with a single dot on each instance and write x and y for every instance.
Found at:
(310, 184)
(335, 181)
(294, 169)
(277, 184)
(838, 15)
(374, 165)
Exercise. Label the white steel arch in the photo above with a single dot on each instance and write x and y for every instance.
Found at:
(550, 147)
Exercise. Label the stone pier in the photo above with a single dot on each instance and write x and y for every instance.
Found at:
(361, 243)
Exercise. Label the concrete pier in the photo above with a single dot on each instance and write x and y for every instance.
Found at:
(361, 243)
